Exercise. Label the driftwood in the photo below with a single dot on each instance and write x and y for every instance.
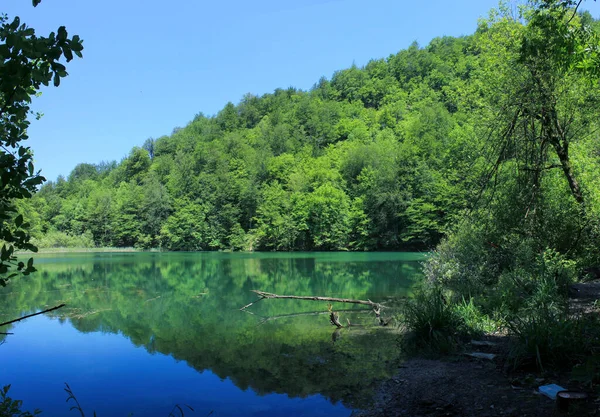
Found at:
(31, 315)
(264, 295)
(334, 317)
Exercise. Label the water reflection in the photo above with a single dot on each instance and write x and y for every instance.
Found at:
(187, 306)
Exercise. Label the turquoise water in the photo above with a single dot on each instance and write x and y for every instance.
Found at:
(142, 332)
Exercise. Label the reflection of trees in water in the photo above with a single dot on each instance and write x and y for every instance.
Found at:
(186, 305)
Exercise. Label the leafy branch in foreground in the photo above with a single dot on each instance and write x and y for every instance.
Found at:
(31, 315)
(12, 408)
(27, 62)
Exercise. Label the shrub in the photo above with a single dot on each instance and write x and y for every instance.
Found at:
(460, 262)
(473, 321)
(545, 338)
(538, 316)
(56, 239)
(433, 323)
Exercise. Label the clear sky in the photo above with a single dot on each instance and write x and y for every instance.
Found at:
(149, 66)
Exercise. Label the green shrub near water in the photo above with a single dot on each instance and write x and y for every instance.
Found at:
(524, 288)
(545, 332)
(544, 338)
(431, 320)
(57, 239)
(473, 320)
(438, 324)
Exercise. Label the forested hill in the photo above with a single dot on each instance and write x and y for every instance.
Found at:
(384, 157)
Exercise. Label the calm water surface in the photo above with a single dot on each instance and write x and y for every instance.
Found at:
(143, 332)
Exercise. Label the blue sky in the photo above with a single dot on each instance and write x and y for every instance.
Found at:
(149, 66)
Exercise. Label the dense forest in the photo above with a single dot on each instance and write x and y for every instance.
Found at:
(384, 157)
(381, 157)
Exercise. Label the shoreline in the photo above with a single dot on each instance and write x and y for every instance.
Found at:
(42, 251)
(460, 385)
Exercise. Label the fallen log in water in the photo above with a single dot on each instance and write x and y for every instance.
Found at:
(263, 294)
(334, 317)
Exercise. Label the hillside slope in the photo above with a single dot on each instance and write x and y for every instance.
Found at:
(385, 157)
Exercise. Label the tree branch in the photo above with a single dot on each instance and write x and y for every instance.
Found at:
(263, 295)
(31, 315)
(575, 11)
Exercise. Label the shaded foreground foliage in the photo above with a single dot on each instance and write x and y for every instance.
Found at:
(27, 61)
(13, 408)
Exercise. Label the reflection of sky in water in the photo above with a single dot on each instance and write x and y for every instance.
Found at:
(110, 375)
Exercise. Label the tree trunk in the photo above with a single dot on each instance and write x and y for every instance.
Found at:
(563, 156)
(561, 146)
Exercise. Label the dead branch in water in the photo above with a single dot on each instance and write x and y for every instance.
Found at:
(264, 295)
(334, 317)
(31, 315)
(252, 303)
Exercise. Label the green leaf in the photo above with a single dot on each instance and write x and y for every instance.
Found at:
(61, 35)
(19, 220)
(76, 45)
(68, 55)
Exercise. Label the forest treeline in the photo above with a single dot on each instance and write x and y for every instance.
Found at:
(384, 157)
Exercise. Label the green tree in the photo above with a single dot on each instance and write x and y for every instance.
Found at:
(27, 62)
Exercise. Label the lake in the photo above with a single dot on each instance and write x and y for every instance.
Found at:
(144, 332)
